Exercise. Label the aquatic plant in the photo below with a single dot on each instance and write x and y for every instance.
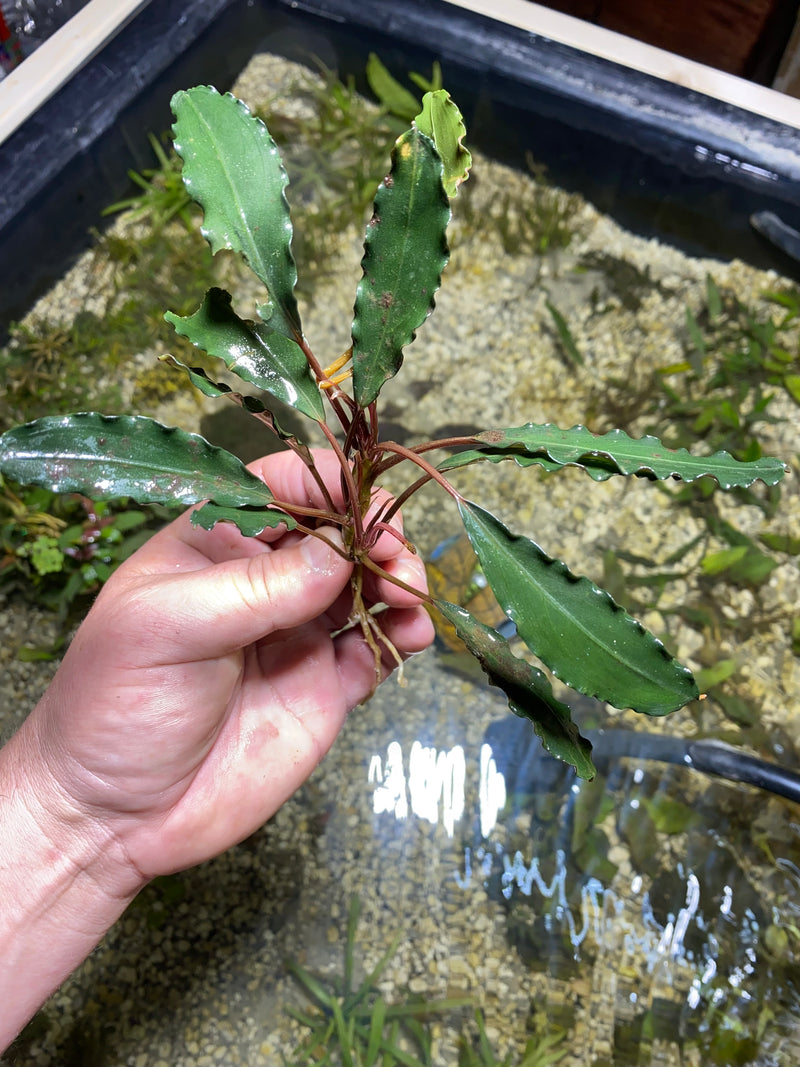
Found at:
(61, 548)
(163, 195)
(232, 168)
(335, 150)
(738, 357)
(543, 1051)
(352, 1024)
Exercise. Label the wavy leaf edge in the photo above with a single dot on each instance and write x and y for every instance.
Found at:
(616, 452)
(552, 723)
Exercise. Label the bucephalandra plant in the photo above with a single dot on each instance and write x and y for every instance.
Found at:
(232, 168)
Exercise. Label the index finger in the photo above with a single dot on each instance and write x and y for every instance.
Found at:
(291, 482)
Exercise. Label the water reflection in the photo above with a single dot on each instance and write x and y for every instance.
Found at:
(435, 782)
(687, 939)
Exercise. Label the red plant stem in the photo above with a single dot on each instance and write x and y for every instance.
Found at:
(408, 453)
(399, 501)
(372, 411)
(321, 537)
(332, 516)
(319, 374)
(428, 446)
(350, 485)
(386, 528)
(312, 467)
(377, 569)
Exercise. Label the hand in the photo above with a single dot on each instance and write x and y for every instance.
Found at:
(208, 679)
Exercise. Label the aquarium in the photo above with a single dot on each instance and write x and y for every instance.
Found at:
(460, 896)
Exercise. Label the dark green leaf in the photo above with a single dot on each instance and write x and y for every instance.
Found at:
(696, 337)
(256, 352)
(232, 168)
(200, 380)
(528, 690)
(590, 852)
(107, 456)
(575, 628)
(713, 299)
(252, 404)
(737, 709)
(754, 569)
(405, 252)
(251, 521)
(604, 455)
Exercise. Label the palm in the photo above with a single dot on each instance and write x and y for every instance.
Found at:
(209, 708)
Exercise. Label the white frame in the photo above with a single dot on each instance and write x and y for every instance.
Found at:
(43, 73)
(585, 37)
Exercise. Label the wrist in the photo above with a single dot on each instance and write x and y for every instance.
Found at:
(63, 883)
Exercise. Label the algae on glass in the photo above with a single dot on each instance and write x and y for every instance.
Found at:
(233, 170)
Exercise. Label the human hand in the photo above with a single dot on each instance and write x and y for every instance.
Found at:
(208, 680)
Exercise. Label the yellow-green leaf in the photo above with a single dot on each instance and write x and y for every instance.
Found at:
(441, 120)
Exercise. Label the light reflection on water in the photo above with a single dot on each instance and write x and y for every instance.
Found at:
(435, 781)
(708, 958)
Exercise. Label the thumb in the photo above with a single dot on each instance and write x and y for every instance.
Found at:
(212, 611)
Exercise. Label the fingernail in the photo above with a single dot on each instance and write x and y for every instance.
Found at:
(319, 556)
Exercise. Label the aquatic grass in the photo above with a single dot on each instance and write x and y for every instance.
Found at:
(540, 1051)
(163, 196)
(351, 1023)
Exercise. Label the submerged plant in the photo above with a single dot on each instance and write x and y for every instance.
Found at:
(352, 1025)
(544, 1051)
(163, 195)
(232, 168)
(60, 548)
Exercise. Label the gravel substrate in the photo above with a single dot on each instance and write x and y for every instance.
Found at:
(194, 974)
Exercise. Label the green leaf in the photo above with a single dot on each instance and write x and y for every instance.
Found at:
(670, 816)
(528, 690)
(46, 556)
(737, 709)
(200, 380)
(255, 352)
(428, 85)
(582, 635)
(713, 299)
(441, 120)
(567, 341)
(392, 95)
(754, 569)
(782, 543)
(108, 456)
(251, 521)
(604, 455)
(710, 676)
(695, 336)
(405, 252)
(232, 168)
(717, 562)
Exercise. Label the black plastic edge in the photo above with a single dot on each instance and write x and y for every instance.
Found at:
(71, 158)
